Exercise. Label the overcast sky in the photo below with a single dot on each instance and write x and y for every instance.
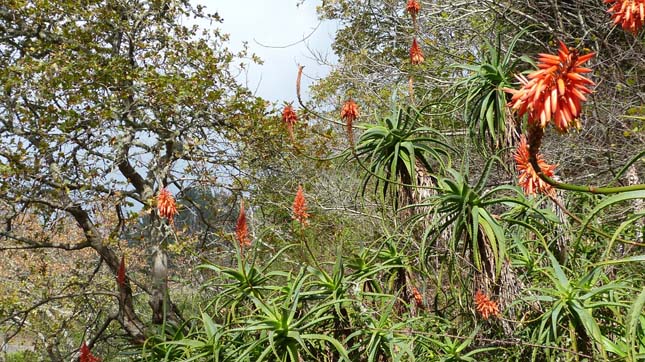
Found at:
(269, 26)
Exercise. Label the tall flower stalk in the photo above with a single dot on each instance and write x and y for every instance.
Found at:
(413, 8)
(349, 113)
(289, 117)
(300, 214)
(241, 229)
(416, 54)
(120, 275)
(242, 233)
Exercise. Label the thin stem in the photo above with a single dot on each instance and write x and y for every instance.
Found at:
(306, 244)
(243, 267)
(586, 225)
(304, 106)
(581, 188)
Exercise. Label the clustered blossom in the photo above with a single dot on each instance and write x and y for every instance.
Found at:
(528, 179)
(630, 14)
(120, 274)
(289, 117)
(485, 306)
(86, 355)
(241, 229)
(416, 55)
(300, 207)
(418, 299)
(349, 113)
(555, 91)
(413, 8)
(166, 205)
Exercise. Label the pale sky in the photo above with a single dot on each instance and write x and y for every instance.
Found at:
(269, 26)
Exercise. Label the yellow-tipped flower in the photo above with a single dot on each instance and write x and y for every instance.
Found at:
(630, 14)
(556, 91)
(416, 55)
(528, 179)
(166, 205)
(485, 306)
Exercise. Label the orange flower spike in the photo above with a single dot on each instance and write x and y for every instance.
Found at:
(418, 298)
(289, 117)
(485, 306)
(300, 207)
(630, 14)
(86, 355)
(416, 55)
(555, 91)
(349, 113)
(166, 206)
(120, 274)
(241, 229)
(413, 8)
(528, 179)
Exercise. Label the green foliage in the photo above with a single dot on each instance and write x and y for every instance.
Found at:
(395, 147)
(256, 314)
(104, 104)
(571, 304)
(482, 95)
(635, 330)
(454, 349)
(23, 356)
(466, 213)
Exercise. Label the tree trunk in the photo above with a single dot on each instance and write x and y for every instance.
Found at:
(158, 299)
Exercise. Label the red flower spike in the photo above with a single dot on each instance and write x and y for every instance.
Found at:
(416, 55)
(413, 8)
(528, 179)
(300, 207)
(485, 306)
(120, 274)
(241, 229)
(349, 113)
(289, 117)
(555, 91)
(630, 14)
(86, 355)
(166, 205)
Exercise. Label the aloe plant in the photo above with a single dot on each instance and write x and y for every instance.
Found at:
(569, 306)
(446, 348)
(482, 94)
(465, 211)
(392, 150)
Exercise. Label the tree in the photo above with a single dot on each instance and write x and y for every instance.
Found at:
(102, 106)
